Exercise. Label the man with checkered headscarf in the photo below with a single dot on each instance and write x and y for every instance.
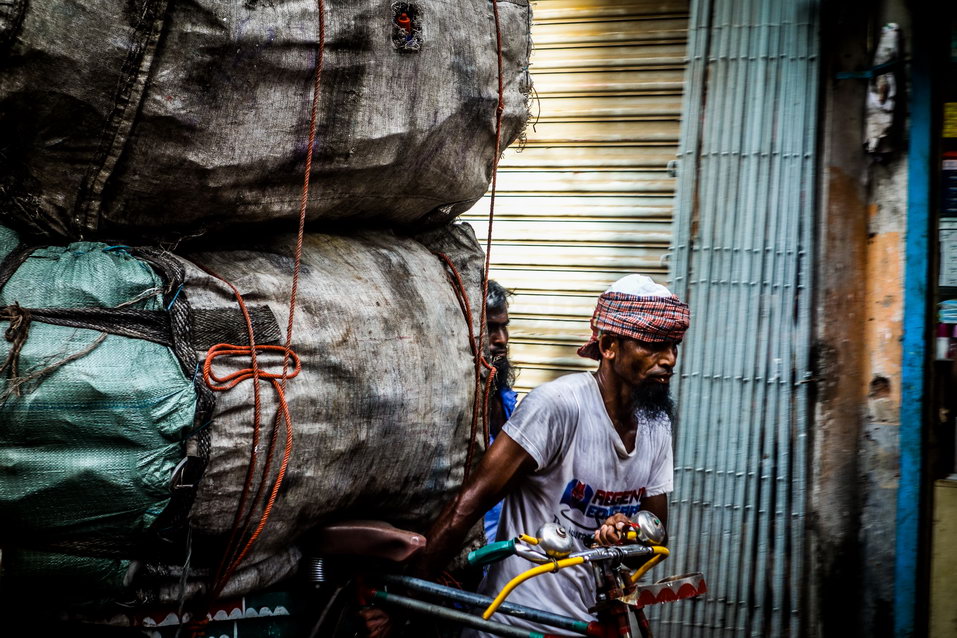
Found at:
(587, 451)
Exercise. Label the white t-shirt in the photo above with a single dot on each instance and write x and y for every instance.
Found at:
(583, 476)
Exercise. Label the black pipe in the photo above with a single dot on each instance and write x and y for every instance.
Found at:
(450, 614)
(519, 611)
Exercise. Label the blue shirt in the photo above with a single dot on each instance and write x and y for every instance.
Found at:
(509, 398)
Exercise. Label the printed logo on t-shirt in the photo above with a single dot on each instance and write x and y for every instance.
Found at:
(597, 505)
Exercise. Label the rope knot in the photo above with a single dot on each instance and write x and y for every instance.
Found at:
(16, 333)
(19, 318)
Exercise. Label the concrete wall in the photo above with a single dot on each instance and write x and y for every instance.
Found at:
(860, 309)
(839, 352)
(884, 310)
(878, 454)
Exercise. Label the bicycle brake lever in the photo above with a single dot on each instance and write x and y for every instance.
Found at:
(492, 552)
(531, 555)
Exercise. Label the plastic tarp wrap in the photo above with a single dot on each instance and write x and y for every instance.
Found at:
(149, 118)
(92, 424)
(382, 407)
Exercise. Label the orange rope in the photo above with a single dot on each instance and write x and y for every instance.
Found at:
(255, 374)
(477, 357)
(223, 383)
(231, 380)
(233, 558)
(499, 111)
(233, 555)
(478, 354)
(304, 199)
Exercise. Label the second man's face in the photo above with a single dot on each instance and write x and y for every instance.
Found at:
(497, 322)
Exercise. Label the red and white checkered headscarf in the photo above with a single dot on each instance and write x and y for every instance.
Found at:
(652, 315)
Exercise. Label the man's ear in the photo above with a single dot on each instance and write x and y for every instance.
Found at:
(607, 346)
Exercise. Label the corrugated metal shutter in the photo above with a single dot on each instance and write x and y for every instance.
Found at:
(744, 241)
(589, 198)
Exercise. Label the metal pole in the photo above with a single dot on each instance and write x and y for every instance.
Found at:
(915, 335)
(439, 611)
(477, 600)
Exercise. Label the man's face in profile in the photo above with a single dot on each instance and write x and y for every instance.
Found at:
(497, 322)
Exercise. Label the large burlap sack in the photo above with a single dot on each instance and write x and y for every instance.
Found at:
(149, 117)
(381, 409)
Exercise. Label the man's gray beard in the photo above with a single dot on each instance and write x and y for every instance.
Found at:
(651, 401)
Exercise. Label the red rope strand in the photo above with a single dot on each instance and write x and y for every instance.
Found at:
(254, 374)
(478, 359)
(478, 348)
(234, 555)
(224, 383)
(304, 200)
(499, 112)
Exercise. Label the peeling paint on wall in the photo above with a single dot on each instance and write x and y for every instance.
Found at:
(884, 288)
(879, 447)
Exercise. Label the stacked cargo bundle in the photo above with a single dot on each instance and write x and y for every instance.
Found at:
(152, 118)
(140, 430)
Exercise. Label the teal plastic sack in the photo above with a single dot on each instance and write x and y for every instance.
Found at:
(92, 425)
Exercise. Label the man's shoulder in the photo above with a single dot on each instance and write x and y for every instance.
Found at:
(565, 389)
(566, 382)
(561, 395)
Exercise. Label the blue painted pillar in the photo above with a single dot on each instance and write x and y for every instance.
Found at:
(916, 336)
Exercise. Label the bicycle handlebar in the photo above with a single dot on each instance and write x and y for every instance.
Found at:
(612, 552)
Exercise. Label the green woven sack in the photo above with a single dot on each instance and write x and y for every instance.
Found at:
(92, 424)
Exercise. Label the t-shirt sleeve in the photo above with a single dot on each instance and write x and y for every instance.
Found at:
(540, 423)
(661, 478)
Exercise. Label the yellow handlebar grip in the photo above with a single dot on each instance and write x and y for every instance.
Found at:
(521, 578)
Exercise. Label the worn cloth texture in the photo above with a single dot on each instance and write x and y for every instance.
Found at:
(92, 424)
(382, 407)
(647, 318)
(583, 474)
(128, 120)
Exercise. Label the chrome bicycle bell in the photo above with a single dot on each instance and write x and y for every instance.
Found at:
(555, 540)
(650, 529)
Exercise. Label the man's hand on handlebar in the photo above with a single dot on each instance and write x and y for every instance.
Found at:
(613, 530)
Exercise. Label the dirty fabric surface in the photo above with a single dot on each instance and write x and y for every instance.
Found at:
(91, 440)
(381, 410)
(382, 407)
(149, 118)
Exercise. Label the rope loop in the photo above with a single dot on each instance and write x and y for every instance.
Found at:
(219, 383)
